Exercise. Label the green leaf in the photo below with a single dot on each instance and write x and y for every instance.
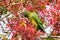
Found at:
(49, 38)
(3, 10)
(4, 39)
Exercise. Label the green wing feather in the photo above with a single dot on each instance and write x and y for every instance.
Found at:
(34, 16)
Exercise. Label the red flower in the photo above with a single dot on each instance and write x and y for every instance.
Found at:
(57, 1)
(3, 3)
(15, 8)
(29, 8)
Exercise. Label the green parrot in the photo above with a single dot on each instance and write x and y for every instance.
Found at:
(33, 17)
